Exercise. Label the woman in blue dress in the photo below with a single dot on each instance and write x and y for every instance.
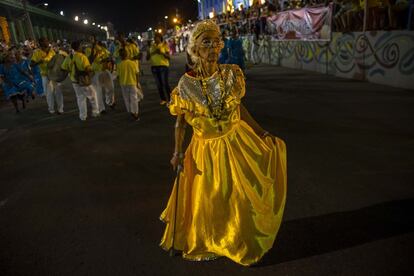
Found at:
(9, 73)
(236, 52)
(37, 77)
(26, 79)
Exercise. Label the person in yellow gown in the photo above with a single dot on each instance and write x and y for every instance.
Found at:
(232, 186)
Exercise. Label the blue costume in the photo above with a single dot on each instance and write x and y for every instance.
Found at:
(26, 82)
(236, 52)
(224, 54)
(38, 80)
(12, 84)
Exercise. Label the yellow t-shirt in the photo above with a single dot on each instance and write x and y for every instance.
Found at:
(132, 52)
(159, 59)
(82, 64)
(127, 72)
(101, 54)
(41, 56)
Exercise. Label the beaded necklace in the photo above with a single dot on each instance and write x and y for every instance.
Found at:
(216, 108)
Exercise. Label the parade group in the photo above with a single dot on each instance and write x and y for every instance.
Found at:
(39, 70)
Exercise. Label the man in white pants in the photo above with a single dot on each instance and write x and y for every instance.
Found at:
(76, 64)
(128, 74)
(41, 57)
(103, 81)
(56, 77)
(98, 55)
(54, 93)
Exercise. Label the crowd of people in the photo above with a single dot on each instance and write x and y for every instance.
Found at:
(38, 70)
(348, 15)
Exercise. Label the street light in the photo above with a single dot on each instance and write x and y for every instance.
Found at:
(85, 21)
(93, 23)
(76, 18)
(46, 4)
(99, 26)
(175, 20)
(166, 17)
(62, 13)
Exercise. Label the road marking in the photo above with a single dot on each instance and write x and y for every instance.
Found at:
(2, 203)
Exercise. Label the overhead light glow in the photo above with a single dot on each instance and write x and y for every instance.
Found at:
(76, 18)
(85, 21)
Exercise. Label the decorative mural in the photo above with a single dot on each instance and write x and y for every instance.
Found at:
(380, 57)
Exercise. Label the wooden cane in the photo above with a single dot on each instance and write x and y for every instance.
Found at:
(173, 252)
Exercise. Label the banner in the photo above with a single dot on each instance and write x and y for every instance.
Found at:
(309, 23)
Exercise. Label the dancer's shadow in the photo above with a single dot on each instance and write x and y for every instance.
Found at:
(323, 234)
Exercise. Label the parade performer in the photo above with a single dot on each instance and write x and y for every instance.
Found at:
(131, 49)
(14, 87)
(128, 76)
(99, 56)
(229, 196)
(57, 76)
(41, 58)
(26, 81)
(79, 68)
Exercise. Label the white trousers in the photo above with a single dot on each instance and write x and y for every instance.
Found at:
(53, 92)
(98, 91)
(83, 93)
(103, 82)
(131, 98)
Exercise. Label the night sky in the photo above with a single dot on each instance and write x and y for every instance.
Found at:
(126, 15)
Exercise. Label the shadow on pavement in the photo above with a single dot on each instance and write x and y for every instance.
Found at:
(307, 237)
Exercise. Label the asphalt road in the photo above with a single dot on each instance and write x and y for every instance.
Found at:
(83, 198)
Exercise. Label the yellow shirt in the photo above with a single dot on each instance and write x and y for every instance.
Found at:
(41, 57)
(127, 72)
(159, 59)
(82, 64)
(101, 54)
(131, 49)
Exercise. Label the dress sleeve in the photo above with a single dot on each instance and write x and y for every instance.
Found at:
(240, 84)
(176, 104)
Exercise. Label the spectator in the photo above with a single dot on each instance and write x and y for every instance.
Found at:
(160, 63)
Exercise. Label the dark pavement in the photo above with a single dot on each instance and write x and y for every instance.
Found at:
(83, 198)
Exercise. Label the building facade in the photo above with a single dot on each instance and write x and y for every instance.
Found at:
(15, 26)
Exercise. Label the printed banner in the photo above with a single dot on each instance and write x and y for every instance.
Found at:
(309, 23)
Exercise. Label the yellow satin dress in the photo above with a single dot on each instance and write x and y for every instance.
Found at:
(232, 189)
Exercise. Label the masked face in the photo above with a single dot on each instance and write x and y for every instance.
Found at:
(209, 45)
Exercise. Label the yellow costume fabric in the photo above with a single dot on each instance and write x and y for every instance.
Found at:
(132, 52)
(127, 73)
(159, 59)
(232, 190)
(82, 64)
(101, 56)
(43, 58)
